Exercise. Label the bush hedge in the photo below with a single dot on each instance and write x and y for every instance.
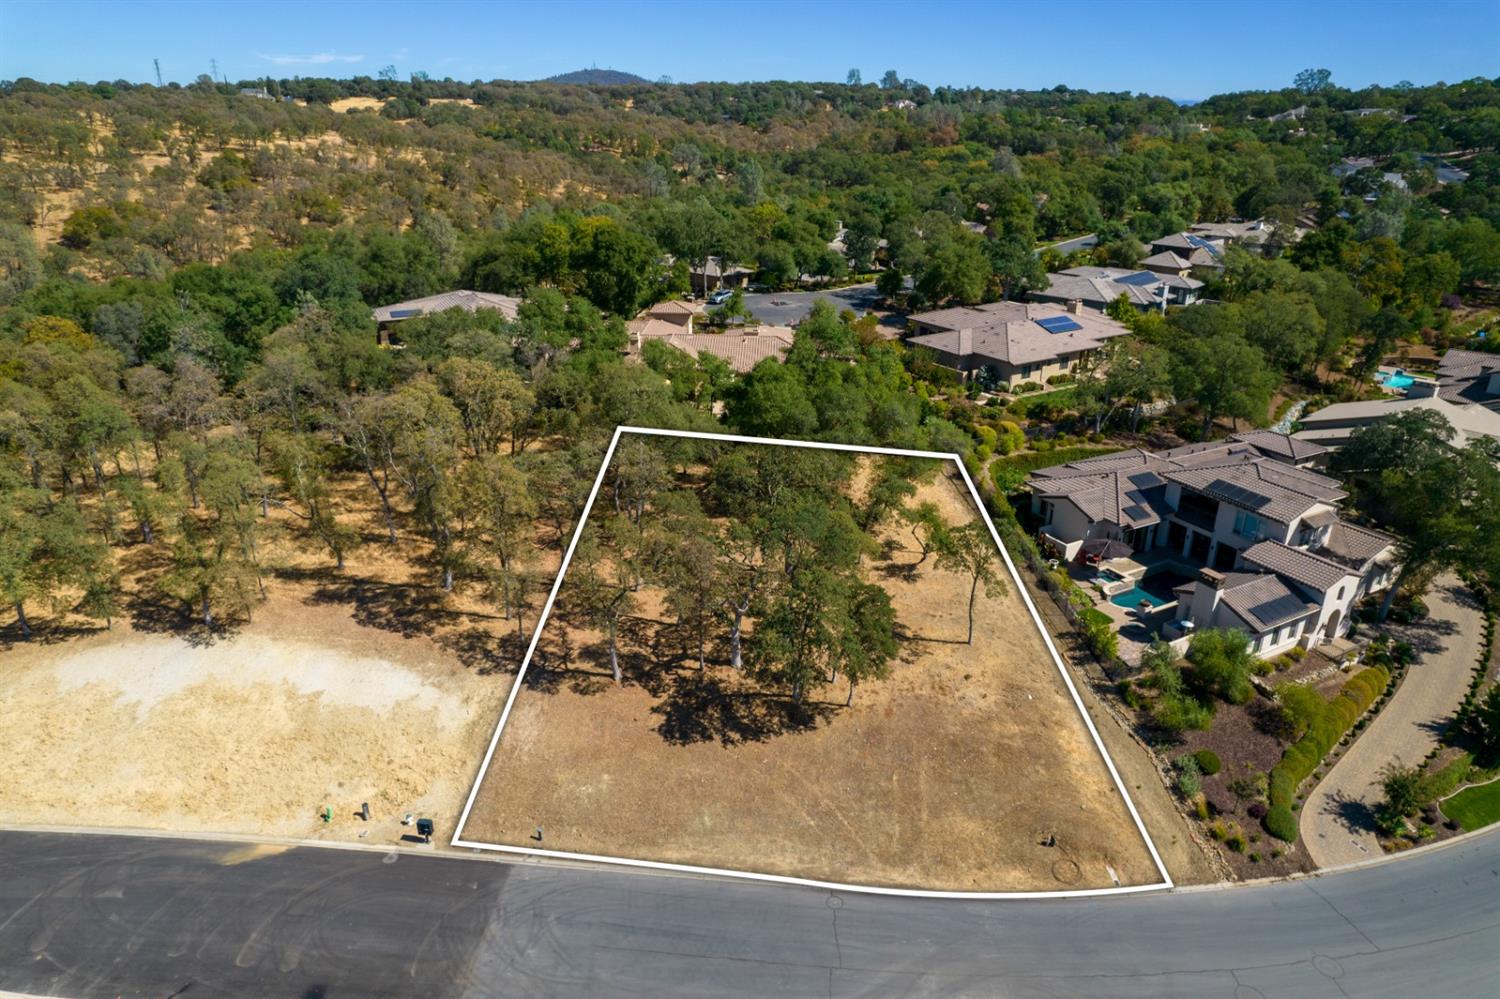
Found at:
(1441, 783)
(1281, 823)
(1326, 723)
(1208, 761)
(1009, 472)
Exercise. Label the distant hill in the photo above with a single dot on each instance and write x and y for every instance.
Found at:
(596, 76)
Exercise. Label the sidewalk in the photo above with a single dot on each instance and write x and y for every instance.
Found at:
(1338, 817)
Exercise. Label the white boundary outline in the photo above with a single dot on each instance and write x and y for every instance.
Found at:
(459, 841)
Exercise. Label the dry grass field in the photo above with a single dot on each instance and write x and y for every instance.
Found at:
(366, 685)
(968, 769)
(249, 733)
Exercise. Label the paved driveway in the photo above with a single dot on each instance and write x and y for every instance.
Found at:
(1338, 817)
(794, 306)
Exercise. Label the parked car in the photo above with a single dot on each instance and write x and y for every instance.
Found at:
(720, 297)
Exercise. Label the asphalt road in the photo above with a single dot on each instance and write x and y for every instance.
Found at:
(797, 304)
(1069, 245)
(1338, 821)
(106, 916)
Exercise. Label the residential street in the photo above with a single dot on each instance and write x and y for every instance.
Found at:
(1337, 819)
(97, 917)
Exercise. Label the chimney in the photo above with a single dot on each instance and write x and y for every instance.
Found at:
(1213, 577)
(1494, 386)
(965, 342)
(1074, 305)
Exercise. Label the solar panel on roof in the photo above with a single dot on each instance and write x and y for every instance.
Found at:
(1058, 324)
(405, 313)
(1239, 495)
(1140, 278)
(1203, 244)
(1136, 512)
(1278, 609)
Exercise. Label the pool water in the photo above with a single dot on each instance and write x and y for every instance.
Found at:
(1155, 589)
(1398, 380)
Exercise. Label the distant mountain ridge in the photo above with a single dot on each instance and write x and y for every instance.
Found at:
(596, 76)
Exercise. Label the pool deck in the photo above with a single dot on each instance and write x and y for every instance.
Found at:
(1136, 630)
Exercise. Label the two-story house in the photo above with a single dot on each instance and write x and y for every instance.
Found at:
(1280, 563)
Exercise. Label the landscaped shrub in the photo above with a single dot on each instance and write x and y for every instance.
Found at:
(1441, 783)
(1181, 712)
(1257, 810)
(1323, 724)
(1099, 635)
(1188, 783)
(1010, 472)
(1221, 665)
(1281, 823)
(1208, 761)
(1175, 710)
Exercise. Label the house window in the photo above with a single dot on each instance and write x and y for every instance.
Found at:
(1341, 593)
(1246, 525)
(1046, 511)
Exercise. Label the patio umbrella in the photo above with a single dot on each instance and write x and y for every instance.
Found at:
(1104, 549)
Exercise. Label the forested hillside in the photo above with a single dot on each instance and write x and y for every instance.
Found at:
(186, 278)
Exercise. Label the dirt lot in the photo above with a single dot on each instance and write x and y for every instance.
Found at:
(952, 774)
(252, 733)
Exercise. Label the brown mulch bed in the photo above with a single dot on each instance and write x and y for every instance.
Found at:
(1246, 740)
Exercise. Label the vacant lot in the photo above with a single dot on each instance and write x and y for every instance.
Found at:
(968, 769)
(253, 733)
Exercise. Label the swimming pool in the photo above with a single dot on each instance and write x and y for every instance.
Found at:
(1155, 589)
(1396, 380)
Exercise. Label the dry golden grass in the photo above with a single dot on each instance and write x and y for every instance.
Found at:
(952, 774)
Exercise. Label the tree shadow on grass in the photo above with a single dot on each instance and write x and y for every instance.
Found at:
(45, 632)
(402, 608)
(906, 572)
(153, 612)
(660, 657)
(484, 652)
(702, 707)
(553, 667)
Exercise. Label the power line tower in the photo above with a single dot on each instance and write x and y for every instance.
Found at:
(213, 69)
(157, 64)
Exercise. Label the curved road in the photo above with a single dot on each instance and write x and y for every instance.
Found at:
(105, 915)
(1338, 819)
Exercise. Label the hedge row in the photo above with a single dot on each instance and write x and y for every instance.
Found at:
(1326, 728)
(1011, 471)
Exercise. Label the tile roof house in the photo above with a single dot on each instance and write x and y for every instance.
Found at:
(1469, 377)
(1332, 426)
(1008, 343)
(676, 313)
(741, 349)
(1279, 560)
(387, 316)
(1181, 252)
(1465, 391)
(1202, 246)
(1097, 287)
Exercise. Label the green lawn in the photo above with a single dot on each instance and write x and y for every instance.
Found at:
(1475, 807)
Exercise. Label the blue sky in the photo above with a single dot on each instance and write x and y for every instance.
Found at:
(1177, 49)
